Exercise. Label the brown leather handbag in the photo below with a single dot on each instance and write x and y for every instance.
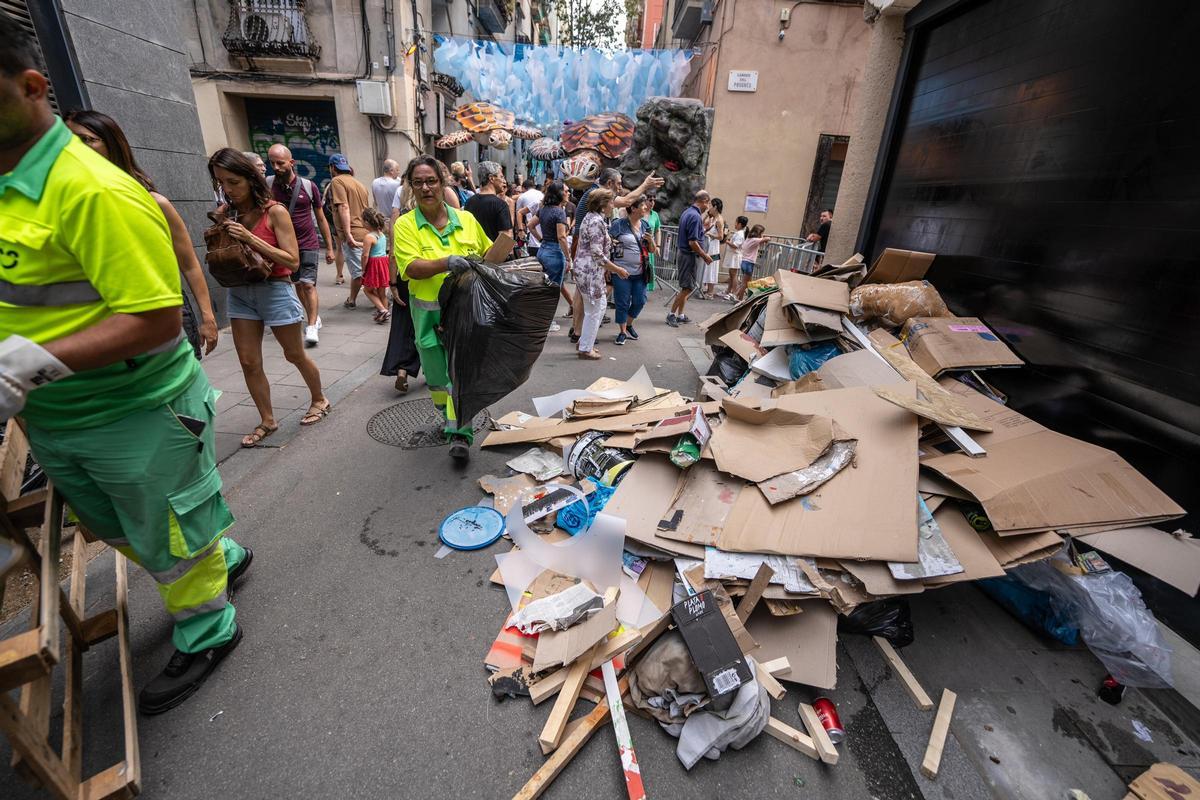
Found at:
(230, 262)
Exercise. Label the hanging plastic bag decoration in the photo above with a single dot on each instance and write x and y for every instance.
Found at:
(494, 325)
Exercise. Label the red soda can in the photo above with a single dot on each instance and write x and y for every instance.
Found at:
(827, 713)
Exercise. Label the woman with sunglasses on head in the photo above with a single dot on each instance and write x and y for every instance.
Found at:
(102, 133)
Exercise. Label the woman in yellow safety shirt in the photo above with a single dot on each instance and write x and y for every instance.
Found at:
(429, 243)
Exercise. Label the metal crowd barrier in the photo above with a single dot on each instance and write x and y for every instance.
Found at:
(787, 253)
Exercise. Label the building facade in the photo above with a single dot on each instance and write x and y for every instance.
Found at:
(326, 76)
(783, 79)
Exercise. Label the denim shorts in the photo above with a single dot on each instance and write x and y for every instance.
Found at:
(354, 263)
(307, 271)
(272, 302)
(747, 267)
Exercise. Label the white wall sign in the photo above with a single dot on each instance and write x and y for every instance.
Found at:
(757, 203)
(743, 80)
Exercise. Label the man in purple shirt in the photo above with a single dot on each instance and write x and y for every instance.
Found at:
(302, 198)
(693, 247)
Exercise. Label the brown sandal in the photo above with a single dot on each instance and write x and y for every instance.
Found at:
(402, 382)
(316, 413)
(259, 433)
(593, 355)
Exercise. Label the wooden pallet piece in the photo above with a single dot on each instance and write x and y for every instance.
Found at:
(757, 586)
(564, 704)
(610, 649)
(616, 706)
(777, 665)
(937, 738)
(820, 737)
(792, 738)
(911, 685)
(773, 687)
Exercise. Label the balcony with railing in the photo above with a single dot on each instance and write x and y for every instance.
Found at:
(269, 29)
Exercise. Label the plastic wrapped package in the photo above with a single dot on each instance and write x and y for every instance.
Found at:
(1030, 606)
(889, 619)
(1112, 619)
(806, 358)
(893, 304)
(494, 324)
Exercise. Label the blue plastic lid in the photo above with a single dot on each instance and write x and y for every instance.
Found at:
(471, 528)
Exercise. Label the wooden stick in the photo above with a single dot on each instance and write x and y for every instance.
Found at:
(754, 592)
(825, 748)
(773, 687)
(792, 738)
(937, 739)
(611, 648)
(73, 682)
(777, 665)
(133, 760)
(629, 762)
(571, 744)
(552, 731)
(904, 673)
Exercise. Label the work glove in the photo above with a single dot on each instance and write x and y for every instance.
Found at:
(457, 265)
(24, 366)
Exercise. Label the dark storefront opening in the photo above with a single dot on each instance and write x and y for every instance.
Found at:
(826, 178)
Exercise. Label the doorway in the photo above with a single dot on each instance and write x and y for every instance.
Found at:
(826, 178)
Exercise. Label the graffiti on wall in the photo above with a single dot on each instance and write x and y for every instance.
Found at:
(306, 127)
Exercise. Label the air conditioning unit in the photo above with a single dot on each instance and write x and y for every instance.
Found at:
(374, 98)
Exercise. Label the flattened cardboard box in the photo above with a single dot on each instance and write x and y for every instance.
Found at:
(898, 266)
(968, 546)
(711, 643)
(644, 498)
(1170, 558)
(1033, 479)
(941, 344)
(867, 511)
(808, 641)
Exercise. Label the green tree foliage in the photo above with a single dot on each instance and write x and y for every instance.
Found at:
(591, 23)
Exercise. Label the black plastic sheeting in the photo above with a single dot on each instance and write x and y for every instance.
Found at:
(494, 325)
(1047, 151)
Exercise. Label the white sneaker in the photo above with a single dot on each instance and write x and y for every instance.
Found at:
(319, 322)
(554, 326)
(310, 335)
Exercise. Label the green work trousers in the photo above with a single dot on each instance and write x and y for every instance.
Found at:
(427, 317)
(148, 485)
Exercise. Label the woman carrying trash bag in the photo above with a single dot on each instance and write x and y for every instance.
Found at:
(429, 243)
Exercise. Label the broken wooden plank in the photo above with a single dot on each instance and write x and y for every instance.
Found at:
(616, 707)
(754, 592)
(552, 731)
(773, 687)
(610, 648)
(792, 738)
(820, 737)
(777, 665)
(937, 738)
(904, 673)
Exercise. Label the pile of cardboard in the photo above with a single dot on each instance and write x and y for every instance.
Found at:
(891, 469)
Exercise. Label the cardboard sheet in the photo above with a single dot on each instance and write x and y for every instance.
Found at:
(1173, 559)
(866, 512)
(898, 266)
(1033, 479)
(757, 444)
(643, 498)
(807, 640)
(777, 330)
(1013, 550)
(744, 345)
(705, 501)
(976, 559)
(800, 289)
(563, 647)
(878, 580)
(860, 368)
(625, 422)
(940, 344)
(775, 365)
(731, 319)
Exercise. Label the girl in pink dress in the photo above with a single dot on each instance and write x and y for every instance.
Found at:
(377, 268)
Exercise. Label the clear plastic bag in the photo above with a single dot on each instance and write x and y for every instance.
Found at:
(1111, 617)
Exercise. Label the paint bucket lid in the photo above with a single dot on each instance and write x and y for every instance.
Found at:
(471, 528)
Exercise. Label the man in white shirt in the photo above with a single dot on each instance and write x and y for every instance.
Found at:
(528, 203)
(384, 188)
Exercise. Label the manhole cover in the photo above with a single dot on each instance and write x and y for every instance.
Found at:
(413, 424)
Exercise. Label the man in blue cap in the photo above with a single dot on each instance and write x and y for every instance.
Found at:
(349, 198)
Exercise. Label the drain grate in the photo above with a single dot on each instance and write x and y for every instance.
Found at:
(413, 424)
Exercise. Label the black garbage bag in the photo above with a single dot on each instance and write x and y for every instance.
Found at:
(889, 619)
(494, 324)
(727, 365)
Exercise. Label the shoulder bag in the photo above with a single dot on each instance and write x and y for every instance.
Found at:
(230, 262)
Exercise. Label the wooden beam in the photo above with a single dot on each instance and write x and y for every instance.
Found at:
(911, 685)
(611, 648)
(820, 737)
(754, 592)
(773, 687)
(552, 731)
(99, 627)
(14, 452)
(21, 659)
(133, 759)
(72, 745)
(937, 738)
(792, 738)
(111, 784)
(571, 744)
(33, 750)
(777, 665)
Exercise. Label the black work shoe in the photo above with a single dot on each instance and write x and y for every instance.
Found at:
(631, 333)
(574, 337)
(460, 449)
(183, 675)
(238, 572)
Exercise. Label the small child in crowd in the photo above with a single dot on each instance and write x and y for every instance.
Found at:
(734, 259)
(377, 272)
(750, 246)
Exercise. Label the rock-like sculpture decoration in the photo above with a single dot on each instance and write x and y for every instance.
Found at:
(672, 137)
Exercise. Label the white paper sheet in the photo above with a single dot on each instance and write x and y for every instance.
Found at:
(934, 556)
(638, 386)
(722, 564)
